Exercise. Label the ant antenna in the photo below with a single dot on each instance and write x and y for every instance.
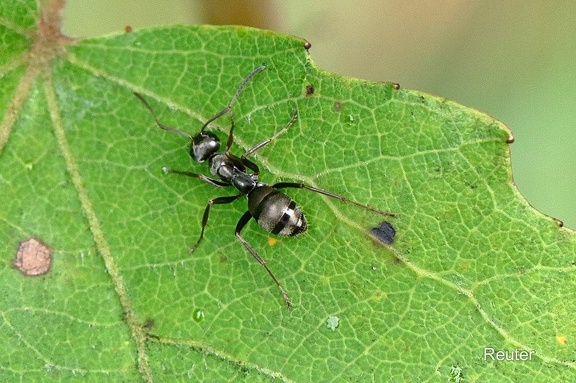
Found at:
(235, 97)
(160, 125)
(218, 115)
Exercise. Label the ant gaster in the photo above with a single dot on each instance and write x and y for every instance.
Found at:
(273, 210)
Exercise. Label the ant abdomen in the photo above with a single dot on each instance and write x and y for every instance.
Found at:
(275, 212)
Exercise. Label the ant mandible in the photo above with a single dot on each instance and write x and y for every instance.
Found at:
(272, 209)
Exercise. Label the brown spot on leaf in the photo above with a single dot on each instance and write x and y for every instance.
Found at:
(33, 257)
(148, 325)
(338, 106)
(309, 90)
(307, 45)
(128, 28)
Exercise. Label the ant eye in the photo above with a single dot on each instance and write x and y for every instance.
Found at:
(204, 144)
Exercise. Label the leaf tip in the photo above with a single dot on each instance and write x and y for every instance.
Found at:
(510, 138)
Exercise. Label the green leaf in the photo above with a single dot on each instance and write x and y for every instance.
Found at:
(472, 266)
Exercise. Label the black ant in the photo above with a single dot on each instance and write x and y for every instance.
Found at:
(273, 210)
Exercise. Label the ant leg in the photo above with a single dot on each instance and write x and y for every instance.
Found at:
(267, 141)
(235, 96)
(215, 201)
(251, 165)
(241, 223)
(161, 126)
(297, 185)
(201, 177)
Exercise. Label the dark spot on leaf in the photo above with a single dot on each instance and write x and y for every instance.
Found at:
(128, 29)
(148, 325)
(384, 233)
(338, 105)
(309, 90)
(396, 85)
(397, 261)
(307, 45)
(33, 257)
(223, 259)
(558, 222)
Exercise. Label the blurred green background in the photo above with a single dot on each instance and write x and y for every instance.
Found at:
(513, 60)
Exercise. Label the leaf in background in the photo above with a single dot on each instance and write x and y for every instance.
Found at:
(472, 264)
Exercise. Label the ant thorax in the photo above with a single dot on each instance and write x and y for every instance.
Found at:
(243, 181)
(221, 166)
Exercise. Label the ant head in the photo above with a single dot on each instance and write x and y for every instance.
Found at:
(204, 145)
